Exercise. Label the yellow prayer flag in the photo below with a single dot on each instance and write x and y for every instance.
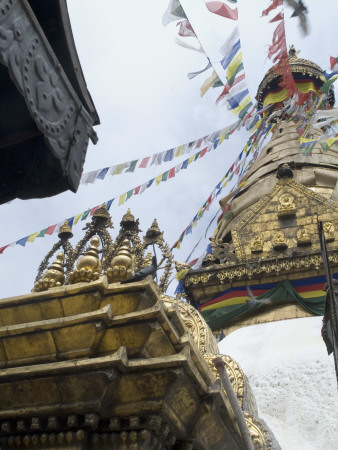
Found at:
(194, 223)
(181, 274)
(158, 179)
(122, 198)
(32, 237)
(275, 97)
(116, 170)
(233, 66)
(179, 151)
(208, 83)
(331, 141)
(221, 139)
(224, 184)
(242, 105)
(77, 218)
(190, 160)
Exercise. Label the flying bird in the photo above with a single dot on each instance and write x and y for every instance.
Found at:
(253, 303)
(299, 11)
(143, 273)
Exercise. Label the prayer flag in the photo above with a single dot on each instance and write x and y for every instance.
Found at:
(274, 5)
(227, 48)
(122, 198)
(109, 203)
(22, 241)
(50, 230)
(158, 179)
(192, 75)
(203, 152)
(169, 155)
(84, 215)
(102, 173)
(172, 172)
(280, 16)
(173, 12)
(77, 218)
(129, 194)
(116, 170)
(185, 164)
(32, 237)
(233, 68)
(42, 233)
(2, 249)
(165, 176)
(208, 83)
(94, 209)
(232, 53)
(334, 63)
(235, 101)
(186, 29)
(222, 9)
(144, 163)
(132, 166)
(179, 151)
(137, 190)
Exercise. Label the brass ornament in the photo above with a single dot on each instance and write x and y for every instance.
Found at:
(121, 266)
(261, 436)
(88, 266)
(329, 231)
(287, 206)
(303, 237)
(196, 325)
(64, 234)
(53, 277)
(256, 244)
(279, 241)
(101, 220)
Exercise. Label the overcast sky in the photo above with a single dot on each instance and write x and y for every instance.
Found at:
(137, 77)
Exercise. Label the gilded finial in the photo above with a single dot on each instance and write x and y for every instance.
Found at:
(101, 217)
(122, 264)
(153, 234)
(128, 222)
(293, 53)
(88, 266)
(53, 276)
(65, 232)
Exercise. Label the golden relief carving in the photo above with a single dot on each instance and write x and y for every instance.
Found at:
(303, 237)
(329, 231)
(197, 326)
(287, 206)
(226, 273)
(256, 244)
(259, 434)
(279, 241)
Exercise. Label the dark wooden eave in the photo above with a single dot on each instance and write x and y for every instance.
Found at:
(46, 112)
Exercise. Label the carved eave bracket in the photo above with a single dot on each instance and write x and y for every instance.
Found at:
(51, 100)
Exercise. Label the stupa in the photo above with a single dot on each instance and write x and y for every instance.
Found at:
(266, 264)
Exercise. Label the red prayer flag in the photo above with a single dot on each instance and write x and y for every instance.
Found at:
(94, 209)
(273, 5)
(137, 190)
(2, 249)
(50, 230)
(186, 29)
(203, 152)
(172, 172)
(333, 62)
(144, 162)
(223, 10)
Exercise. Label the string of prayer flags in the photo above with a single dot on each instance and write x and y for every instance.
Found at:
(168, 174)
(334, 63)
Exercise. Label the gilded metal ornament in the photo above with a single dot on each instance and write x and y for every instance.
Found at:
(329, 231)
(88, 266)
(65, 233)
(256, 244)
(303, 237)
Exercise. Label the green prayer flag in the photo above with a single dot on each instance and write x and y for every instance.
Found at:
(42, 233)
(197, 155)
(132, 166)
(217, 83)
(326, 86)
(165, 176)
(85, 214)
(129, 194)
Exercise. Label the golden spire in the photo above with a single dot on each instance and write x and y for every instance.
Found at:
(65, 232)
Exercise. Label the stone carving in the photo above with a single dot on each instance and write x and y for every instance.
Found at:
(279, 241)
(199, 330)
(329, 231)
(50, 98)
(256, 244)
(287, 206)
(303, 237)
